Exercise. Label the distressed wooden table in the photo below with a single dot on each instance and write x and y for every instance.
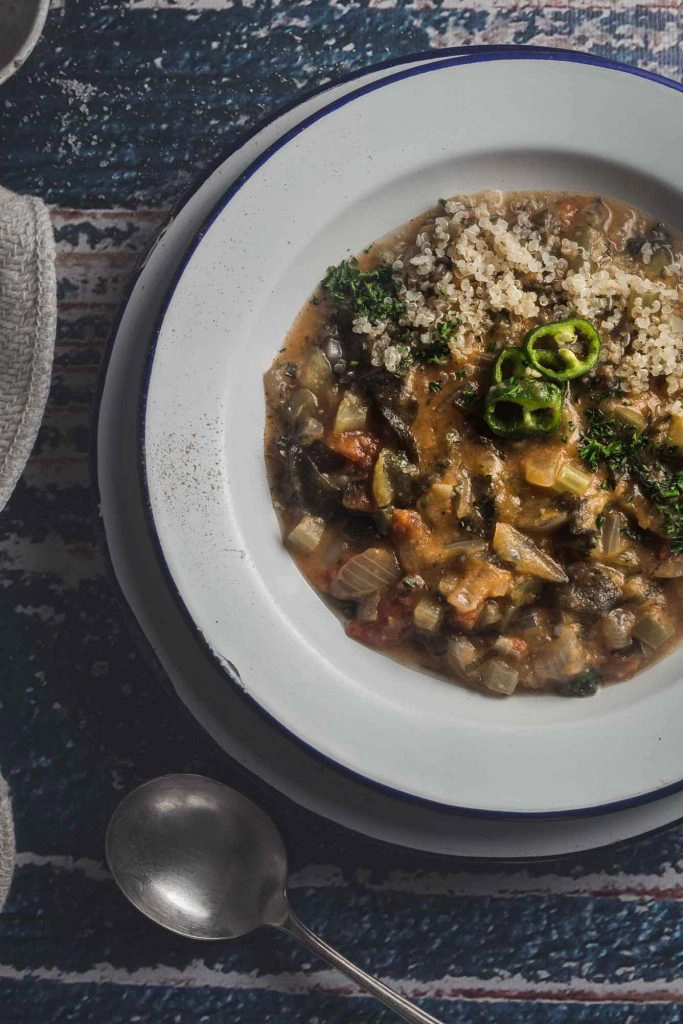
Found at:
(120, 107)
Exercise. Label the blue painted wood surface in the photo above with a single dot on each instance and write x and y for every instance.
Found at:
(118, 110)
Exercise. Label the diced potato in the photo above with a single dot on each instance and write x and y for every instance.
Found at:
(306, 535)
(428, 614)
(511, 647)
(352, 413)
(439, 502)
(541, 467)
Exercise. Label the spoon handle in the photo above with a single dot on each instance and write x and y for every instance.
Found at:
(403, 1007)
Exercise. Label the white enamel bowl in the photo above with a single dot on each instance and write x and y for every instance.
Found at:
(348, 174)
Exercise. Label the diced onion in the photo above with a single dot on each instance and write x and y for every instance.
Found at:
(302, 406)
(368, 608)
(616, 628)
(671, 568)
(306, 535)
(490, 615)
(351, 414)
(498, 677)
(428, 614)
(316, 372)
(461, 654)
(612, 534)
(512, 546)
(465, 547)
(310, 431)
(571, 478)
(562, 658)
(372, 570)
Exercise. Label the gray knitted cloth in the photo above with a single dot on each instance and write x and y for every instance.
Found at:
(28, 313)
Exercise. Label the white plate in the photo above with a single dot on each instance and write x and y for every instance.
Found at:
(166, 636)
(340, 179)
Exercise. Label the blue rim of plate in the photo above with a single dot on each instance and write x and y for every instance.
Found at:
(449, 59)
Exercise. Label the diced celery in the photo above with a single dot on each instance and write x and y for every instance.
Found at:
(382, 489)
(631, 417)
(653, 630)
(571, 478)
(428, 614)
(461, 654)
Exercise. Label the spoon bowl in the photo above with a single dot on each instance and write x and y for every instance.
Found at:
(22, 23)
(198, 858)
(207, 863)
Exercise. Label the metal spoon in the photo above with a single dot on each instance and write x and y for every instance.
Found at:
(205, 862)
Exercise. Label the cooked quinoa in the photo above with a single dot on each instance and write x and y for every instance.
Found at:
(482, 257)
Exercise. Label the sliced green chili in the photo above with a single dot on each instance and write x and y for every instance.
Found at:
(510, 364)
(523, 408)
(550, 348)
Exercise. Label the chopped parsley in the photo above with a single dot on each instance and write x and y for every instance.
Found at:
(435, 386)
(626, 453)
(369, 293)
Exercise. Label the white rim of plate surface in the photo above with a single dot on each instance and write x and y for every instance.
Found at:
(236, 724)
(344, 177)
(168, 636)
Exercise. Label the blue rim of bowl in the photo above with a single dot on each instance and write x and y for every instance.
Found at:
(448, 59)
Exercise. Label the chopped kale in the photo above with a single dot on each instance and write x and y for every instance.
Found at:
(583, 685)
(634, 455)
